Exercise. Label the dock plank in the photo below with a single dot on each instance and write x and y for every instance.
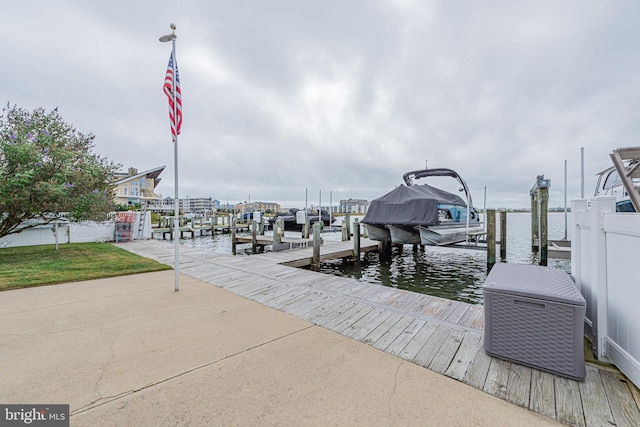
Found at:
(625, 412)
(312, 303)
(519, 385)
(457, 313)
(322, 310)
(411, 350)
(431, 347)
(476, 375)
(355, 313)
(568, 403)
(469, 346)
(382, 329)
(447, 351)
(498, 378)
(393, 333)
(368, 323)
(543, 398)
(594, 400)
(398, 345)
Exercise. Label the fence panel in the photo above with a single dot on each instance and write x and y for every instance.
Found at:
(603, 263)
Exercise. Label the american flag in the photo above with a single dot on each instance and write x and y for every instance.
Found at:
(175, 113)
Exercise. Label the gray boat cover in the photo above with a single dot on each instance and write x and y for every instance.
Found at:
(414, 205)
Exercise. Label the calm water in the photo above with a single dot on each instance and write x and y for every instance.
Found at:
(456, 274)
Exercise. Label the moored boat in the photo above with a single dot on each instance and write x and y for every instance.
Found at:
(423, 214)
(294, 219)
(622, 180)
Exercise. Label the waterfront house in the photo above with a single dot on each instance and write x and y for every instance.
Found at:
(137, 188)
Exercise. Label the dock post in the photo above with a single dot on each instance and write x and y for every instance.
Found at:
(356, 241)
(306, 227)
(491, 238)
(233, 234)
(261, 226)
(348, 219)
(543, 198)
(254, 236)
(315, 264)
(534, 221)
(344, 231)
(385, 251)
(540, 204)
(503, 235)
(277, 232)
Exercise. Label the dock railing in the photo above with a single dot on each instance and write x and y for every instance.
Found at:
(604, 266)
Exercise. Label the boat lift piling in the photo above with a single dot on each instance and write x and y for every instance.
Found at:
(356, 241)
(491, 238)
(539, 207)
(315, 265)
(503, 235)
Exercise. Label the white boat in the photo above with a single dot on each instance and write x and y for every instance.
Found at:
(438, 235)
(423, 214)
(381, 234)
(402, 235)
(610, 183)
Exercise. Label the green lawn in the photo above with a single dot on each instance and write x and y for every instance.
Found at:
(43, 265)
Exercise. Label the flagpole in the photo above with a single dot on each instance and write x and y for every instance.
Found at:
(176, 215)
(176, 227)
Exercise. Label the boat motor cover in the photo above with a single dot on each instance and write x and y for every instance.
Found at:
(414, 205)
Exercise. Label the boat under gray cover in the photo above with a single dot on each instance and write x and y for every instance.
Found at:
(410, 206)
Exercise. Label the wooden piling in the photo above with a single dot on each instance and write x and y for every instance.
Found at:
(233, 234)
(385, 251)
(491, 238)
(356, 241)
(345, 235)
(503, 235)
(315, 264)
(254, 236)
(543, 196)
(306, 227)
(261, 226)
(539, 207)
(278, 230)
(534, 220)
(348, 220)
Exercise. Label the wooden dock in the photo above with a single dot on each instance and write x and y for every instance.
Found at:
(442, 335)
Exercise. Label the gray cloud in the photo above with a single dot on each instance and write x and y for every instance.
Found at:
(345, 97)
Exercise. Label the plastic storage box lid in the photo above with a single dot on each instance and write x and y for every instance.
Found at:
(544, 283)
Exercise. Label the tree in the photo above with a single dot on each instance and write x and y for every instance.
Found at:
(47, 168)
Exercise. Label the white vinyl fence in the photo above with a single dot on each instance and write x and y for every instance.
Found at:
(604, 265)
(75, 232)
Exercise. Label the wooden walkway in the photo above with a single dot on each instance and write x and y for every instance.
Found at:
(441, 335)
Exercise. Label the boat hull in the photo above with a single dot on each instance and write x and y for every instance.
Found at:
(402, 235)
(439, 235)
(378, 233)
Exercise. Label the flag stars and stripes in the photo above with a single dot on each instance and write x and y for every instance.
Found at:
(175, 107)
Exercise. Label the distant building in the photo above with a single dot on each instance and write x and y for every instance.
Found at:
(133, 188)
(257, 206)
(190, 205)
(354, 206)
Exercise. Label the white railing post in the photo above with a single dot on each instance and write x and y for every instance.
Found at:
(600, 205)
(577, 207)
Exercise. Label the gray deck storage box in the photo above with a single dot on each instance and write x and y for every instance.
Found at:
(534, 316)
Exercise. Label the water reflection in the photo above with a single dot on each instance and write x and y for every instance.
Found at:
(456, 274)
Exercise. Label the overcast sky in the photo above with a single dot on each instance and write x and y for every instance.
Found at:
(338, 96)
